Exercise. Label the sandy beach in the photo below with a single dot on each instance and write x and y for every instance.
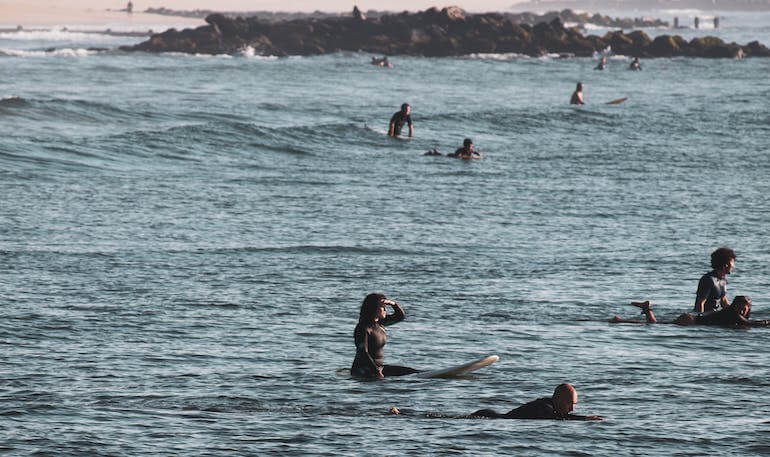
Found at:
(15, 13)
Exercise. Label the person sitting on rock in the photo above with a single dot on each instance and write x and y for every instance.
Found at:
(557, 407)
(602, 64)
(577, 96)
(398, 120)
(635, 65)
(466, 152)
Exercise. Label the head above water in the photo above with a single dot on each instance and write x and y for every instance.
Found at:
(723, 259)
(370, 309)
(467, 143)
(406, 108)
(579, 87)
(742, 305)
(564, 398)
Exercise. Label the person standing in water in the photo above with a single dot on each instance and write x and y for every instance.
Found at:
(635, 65)
(557, 407)
(712, 287)
(577, 96)
(370, 338)
(398, 120)
(602, 64)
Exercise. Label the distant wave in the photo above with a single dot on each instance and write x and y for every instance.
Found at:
(496, 56)
(12, 101)
(56, 35)
(62, 52)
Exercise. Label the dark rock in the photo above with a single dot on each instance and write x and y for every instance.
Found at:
(433, 32)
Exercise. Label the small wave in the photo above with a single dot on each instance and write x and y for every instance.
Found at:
(61, 52)
(205, 56)
(12, 100)
(496, 56)
(251, 53)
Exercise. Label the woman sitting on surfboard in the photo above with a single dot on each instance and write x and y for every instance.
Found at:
(370, 338)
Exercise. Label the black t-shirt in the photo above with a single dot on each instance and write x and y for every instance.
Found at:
(398, 119)
(724, 318)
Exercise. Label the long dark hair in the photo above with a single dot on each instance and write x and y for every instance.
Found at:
(369, 308)
(738, 303)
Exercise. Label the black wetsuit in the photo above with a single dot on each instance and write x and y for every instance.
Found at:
(370, 341)
(465, 154)
(575, 100)
(712, 288)
(542, 408)
(398, 119)
(728, 317)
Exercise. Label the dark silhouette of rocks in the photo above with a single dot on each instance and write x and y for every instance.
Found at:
(433, 32)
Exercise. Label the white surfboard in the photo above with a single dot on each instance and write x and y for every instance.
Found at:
(459, 370)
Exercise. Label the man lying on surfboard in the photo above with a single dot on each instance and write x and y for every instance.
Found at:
(370, 338)
(557, 407)
(734, 316)
(466, 152)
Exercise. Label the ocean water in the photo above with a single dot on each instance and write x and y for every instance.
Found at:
(185, 242)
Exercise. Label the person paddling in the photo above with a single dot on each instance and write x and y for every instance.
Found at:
(557, 407)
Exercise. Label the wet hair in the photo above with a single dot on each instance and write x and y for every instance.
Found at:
(721, 257)
(738, 303)
(579, 86)
(467, 142)
(404, 106)
(369, 308)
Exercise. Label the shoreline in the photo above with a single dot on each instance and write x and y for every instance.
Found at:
(12, 16)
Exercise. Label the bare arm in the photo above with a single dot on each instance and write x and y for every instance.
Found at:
(723, 301)
(700, 304)
(411, 130)
(391, 126)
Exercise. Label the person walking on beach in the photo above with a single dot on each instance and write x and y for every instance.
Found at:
(398, 120)
(370, 338)
(557, 407)
(712, 287)
(577, 96)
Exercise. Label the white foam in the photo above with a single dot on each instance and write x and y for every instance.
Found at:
(63, 52)
(496, 56)
(54, 35)
(205, 56)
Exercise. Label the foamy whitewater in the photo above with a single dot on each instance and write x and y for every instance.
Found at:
(186, 241)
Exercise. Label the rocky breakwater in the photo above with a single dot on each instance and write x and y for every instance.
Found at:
(433, 32)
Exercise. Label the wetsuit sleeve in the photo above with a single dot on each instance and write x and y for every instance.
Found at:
(542, 408)
(491, 413)
(409, 120)
(397, 316)
(362, 345)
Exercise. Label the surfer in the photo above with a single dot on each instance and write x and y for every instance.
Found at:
(370, 338)
(734, 316)
(398, 119)
(381, 62)
(602, 64)
(466, 152)
(712, 287)
(635, 65)
(558, 407)
(577, 96)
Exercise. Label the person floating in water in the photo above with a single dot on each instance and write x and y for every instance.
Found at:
(577, 96)
(712, 287)
(557, 407)
(370, 338)
(381, 62)
(398, 120)
(602, 64)
(734, 316)
(635, 65)
(467, 151)
(432, 152)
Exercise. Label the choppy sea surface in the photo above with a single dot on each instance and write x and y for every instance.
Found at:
(185, 242)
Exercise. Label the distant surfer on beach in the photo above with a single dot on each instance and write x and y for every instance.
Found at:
(398, 120)
(557, 407)
(602, 64)
(577, 96)
(370, 338)
(635, 65)
(734, 316)
(467, 151)
(712, 287)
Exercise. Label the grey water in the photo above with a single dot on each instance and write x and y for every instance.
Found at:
(185, 242)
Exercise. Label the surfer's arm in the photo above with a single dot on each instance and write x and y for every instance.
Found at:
(576, 417)
(764, 323)
(397, 316)
(391, 126)
(411, 130)
(700, 304)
